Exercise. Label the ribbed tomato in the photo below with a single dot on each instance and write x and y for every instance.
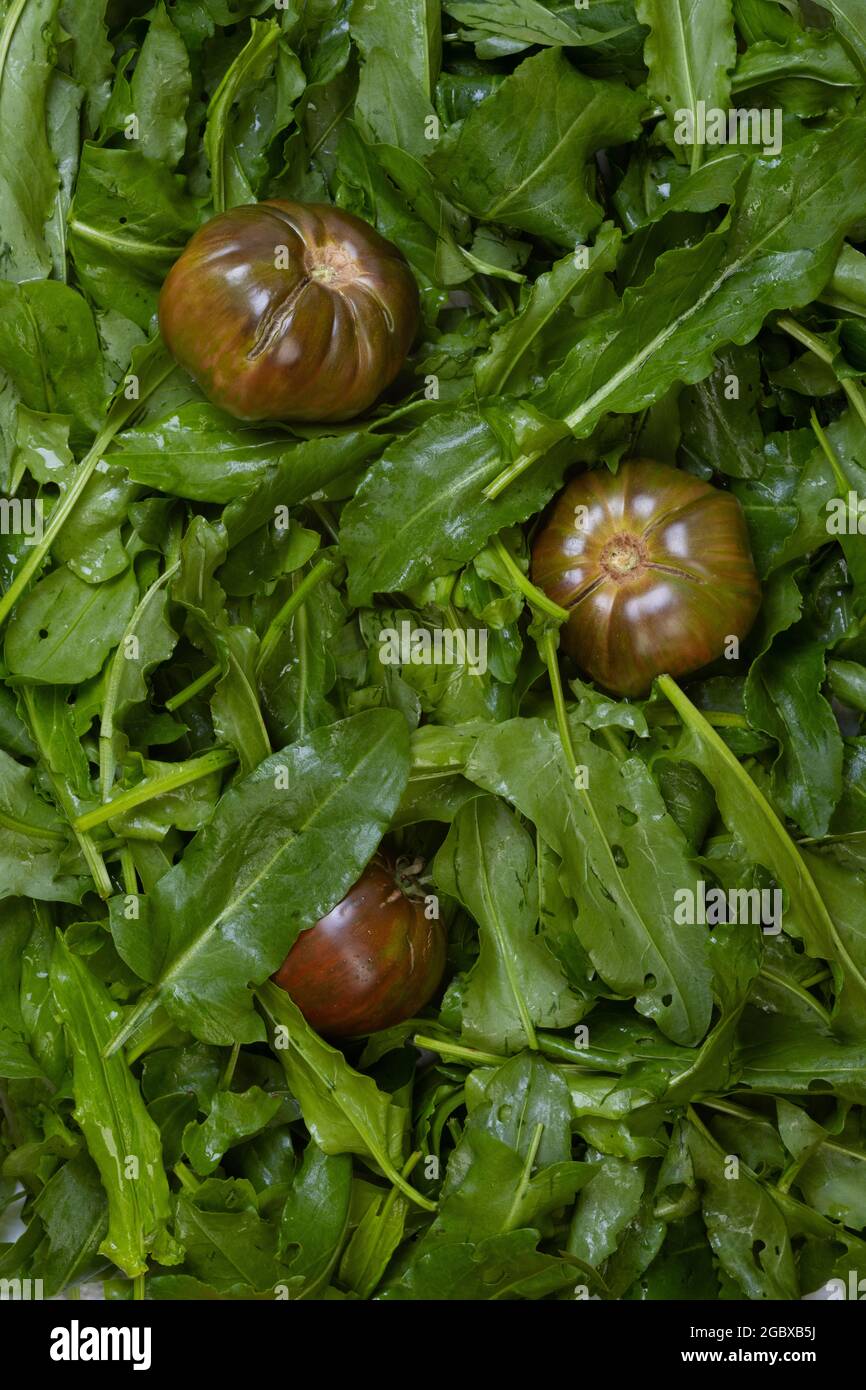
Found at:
(655, 568)
(282, 311)
(372, 962)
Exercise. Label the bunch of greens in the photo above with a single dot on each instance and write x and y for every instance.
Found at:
(201, 747)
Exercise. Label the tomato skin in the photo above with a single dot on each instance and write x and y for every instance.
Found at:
(287, 311)
(657, 573)
(372, 962)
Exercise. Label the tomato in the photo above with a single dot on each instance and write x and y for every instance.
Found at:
(655, 569)
(373, 961)
(282, 311)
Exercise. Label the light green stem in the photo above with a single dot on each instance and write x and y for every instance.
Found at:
(295, 600)
(194, 688)
(154, 787)
(535, 597)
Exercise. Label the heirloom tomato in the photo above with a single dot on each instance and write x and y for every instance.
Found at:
(285, 311)
(655, 569)
(372, 962)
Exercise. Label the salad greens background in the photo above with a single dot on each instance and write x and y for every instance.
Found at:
(200, 748)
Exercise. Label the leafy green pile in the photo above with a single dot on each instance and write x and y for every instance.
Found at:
(201, 746)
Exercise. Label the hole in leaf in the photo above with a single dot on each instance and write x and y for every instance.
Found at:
(619, 856)
(43, 633)
(649, 981)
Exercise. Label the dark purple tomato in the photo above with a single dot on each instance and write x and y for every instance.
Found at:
(282, 311)
(655, 569)
(372, 962)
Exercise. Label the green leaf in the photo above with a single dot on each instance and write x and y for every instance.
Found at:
(523, 350)
(130, 220)
(92, 54)
(284, 845)
(314, 1220)
(391, 107)
(147, 641)
(488, 863)
(299, 673)
(606, 834)
(523, 21)
(721, 290)
(34, 850)
(122, 1139)
(783, 698)
(234, 703)
(605, 1208)
(420, 511)
(745, 1226)
(160, 91)
(690, 52)
(520, 157)
(343, 1109)
(64, 629)
(509, 1171)
(28, 185)
(49, 348)
(232, 1118)
(250, 69)
(749, 816)
(202, 454)
(850, 18)
(74, 1213)
(375, 1239)
(412, 28)
(226, 1242)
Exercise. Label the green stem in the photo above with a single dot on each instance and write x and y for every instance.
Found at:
(146, 1006)
(118, 417)
(463, 1054)
(548, 651)
(535, 596)
(842, 482)
(127, 868)
(228, 1075)
(187, 1179)
(795, 988)
(295, 600)
(149, 1038)
(154, 787)
(194, 688)
(514, 1212)
(92, 854)
(816, 979)
(793, 1171)
(509, 475)
(36, 832)
(817, 346)
(720, 719)
(693, 1118)
(138, 1288)
(107, 762)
